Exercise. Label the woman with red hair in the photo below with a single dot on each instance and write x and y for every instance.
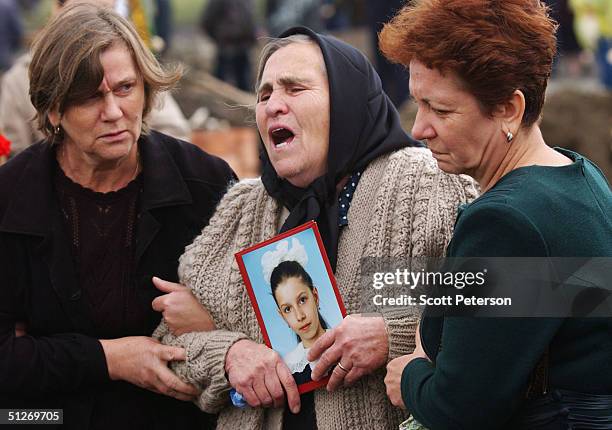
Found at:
(478, 73)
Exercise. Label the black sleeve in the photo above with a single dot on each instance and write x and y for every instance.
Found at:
(211, 17)
(15, 29)
(33, 366)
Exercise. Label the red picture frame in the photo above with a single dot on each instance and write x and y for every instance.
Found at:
(307, 386)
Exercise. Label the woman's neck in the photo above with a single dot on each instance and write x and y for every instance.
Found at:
(96, 176)
(307, 343)
(341, 185)
(527, 149)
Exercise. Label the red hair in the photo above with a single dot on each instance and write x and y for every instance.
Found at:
(494, 46)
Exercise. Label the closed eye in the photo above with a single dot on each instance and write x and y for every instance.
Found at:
(440, 111)
(296, 90)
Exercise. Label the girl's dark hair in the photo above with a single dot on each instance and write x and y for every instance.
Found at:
(292, 269)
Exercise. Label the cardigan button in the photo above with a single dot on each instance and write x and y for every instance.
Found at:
(76, 295)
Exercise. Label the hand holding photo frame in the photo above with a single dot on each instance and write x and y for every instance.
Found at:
(294, 294)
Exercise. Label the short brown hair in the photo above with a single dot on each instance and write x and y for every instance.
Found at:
(66, 69)
(494, 46)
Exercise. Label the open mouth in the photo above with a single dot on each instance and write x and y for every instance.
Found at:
(281, 137)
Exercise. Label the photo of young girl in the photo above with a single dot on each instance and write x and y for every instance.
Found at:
(298, 304)
(294, 297)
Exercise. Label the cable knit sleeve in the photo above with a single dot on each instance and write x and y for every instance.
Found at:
(205, 364)
(401, 329)
(244, 217)
(423, 211)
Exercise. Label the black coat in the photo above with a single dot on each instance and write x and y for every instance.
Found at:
(60, 363)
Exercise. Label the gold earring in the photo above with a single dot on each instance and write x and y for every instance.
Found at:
(57, 130)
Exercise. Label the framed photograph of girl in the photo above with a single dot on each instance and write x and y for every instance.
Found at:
(294, 294)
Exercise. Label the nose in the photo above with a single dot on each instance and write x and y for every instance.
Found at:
(276, 104)
(422, 128)
(300, 315)
(111, 110)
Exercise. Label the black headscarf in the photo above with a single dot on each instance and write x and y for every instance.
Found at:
(364, 125)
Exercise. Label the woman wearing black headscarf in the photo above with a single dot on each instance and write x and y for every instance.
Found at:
(331, 140)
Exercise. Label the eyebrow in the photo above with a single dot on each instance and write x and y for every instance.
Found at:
(285, 81)
(127, 80)
(303, 293)
(428, 101)
(124, 81)
(413, 99)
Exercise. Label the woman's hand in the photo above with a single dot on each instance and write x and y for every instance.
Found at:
(393, 379)
(143, 361)
(395, 368)
(182, 311)
(356, 347)
(260, 375)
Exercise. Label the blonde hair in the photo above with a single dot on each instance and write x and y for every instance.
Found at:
(66, 69)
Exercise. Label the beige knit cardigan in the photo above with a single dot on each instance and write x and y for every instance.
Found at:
(404, 206)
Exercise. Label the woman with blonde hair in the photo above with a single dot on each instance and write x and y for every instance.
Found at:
(87, 217)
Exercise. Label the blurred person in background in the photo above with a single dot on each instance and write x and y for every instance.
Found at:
(480, 93)
(393, 76)
(231, 25)
(87, 217)
(567, 62)
(17, 113)
(336, 14)
(594, 27)
(283, 14)
(152, 20)
(163, 22)
(11, 32)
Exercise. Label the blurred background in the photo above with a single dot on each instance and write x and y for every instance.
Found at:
(219, 42)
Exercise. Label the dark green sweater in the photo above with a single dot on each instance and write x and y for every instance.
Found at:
(482, 365)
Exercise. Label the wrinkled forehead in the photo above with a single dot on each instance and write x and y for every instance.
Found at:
(297, 58)
(100, 71)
